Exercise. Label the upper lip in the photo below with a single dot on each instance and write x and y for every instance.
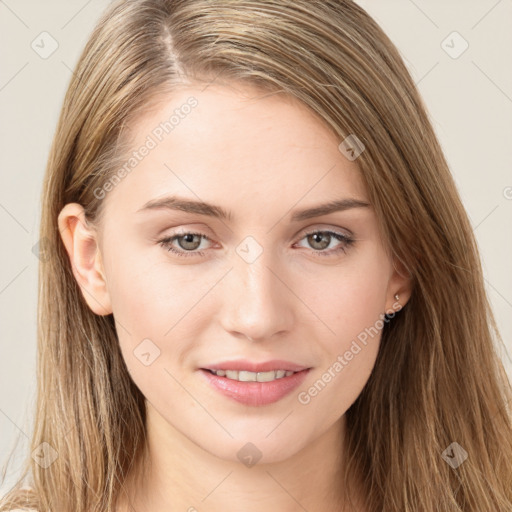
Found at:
(252, 366)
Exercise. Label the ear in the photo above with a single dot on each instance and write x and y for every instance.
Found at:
(80, 240)
(400, 284)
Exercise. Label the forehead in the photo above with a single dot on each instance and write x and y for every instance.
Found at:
(236, 145)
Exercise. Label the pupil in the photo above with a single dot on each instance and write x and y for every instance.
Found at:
(188, 241)
(322, 239)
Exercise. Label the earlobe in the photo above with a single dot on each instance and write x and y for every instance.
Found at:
(399, 289)
(80, 241)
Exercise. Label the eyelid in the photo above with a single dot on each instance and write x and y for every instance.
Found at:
(325, 228)
(179, 234)
(346, 240)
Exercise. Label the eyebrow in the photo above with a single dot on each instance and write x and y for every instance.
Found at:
(202, 208)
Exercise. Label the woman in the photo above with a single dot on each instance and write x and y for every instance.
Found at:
(263, 291)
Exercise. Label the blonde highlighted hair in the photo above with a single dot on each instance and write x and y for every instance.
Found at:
(438, 378)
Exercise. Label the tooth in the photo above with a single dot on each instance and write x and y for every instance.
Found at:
(245, 376)
(266, 376)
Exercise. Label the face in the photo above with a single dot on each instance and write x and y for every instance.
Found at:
(259, 273)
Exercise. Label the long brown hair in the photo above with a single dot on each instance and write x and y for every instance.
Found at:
(437, 380)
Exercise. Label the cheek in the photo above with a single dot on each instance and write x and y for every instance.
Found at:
(352, 296)
(350, 354)
(350, 305)
(156, 300)
(144, 296)
(148, 293)
(150, 301)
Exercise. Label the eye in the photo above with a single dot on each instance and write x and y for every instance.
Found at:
(189, 243)
(320, 240)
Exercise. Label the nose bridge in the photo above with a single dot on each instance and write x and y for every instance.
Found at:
(259, 304)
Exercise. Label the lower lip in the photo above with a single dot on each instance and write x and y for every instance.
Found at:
(256, 393)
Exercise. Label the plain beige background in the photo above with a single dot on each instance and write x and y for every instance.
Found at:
(468, 92)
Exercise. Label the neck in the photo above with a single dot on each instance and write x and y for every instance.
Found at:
(180, 475)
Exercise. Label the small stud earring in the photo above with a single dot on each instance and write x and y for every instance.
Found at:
(397, 296)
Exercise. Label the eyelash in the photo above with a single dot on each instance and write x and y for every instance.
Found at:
(347, 242)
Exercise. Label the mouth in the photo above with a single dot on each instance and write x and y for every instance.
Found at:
(254, 388)
(248, 376)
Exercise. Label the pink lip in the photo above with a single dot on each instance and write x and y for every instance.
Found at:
(256, 393)
(267, 366)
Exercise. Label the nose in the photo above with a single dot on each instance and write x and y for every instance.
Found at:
(257, 302)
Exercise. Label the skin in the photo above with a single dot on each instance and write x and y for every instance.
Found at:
(262, 157)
